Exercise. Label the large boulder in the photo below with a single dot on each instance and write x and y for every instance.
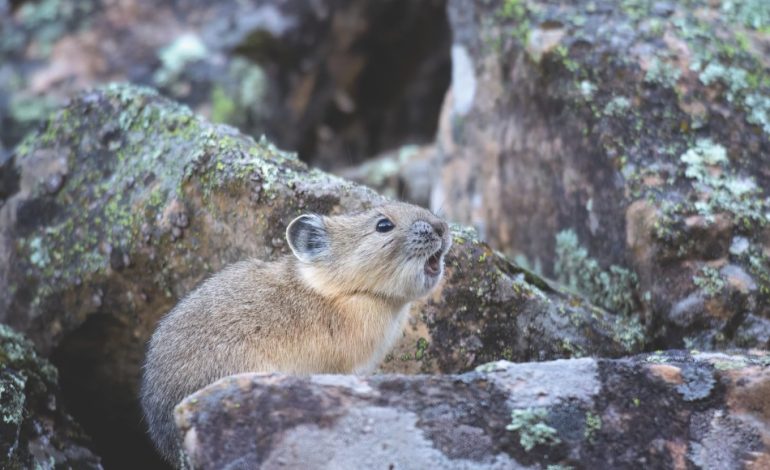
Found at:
(623, 149)
(124, 201)
(35, 430)
(337, 80)
(665, 410)
(406, 173)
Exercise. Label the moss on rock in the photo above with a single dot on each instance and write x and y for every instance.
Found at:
(34, 431)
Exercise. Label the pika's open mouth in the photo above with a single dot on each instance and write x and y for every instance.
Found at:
(433, 265)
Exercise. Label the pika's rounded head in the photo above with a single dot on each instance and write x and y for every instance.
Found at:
(395, 251)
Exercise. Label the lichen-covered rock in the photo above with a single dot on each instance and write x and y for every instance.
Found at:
(126, 201)
(319, 77)
(34, 430)
(624, 149)
(406, 174)
(488, 308)
(665, 410)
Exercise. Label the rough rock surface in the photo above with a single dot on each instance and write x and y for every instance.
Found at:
(329, 78)
(126, 201)
(34, 430)
(624, 148)
(406, 174)
(489, 308)
(664, 410)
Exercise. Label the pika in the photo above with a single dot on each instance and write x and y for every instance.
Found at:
(336, 306)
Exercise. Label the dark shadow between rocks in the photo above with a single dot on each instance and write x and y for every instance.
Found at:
(102, 400)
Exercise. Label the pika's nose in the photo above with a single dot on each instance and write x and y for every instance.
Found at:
(423, 228)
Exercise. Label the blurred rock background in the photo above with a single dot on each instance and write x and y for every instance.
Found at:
(337, 81)
(608, 159)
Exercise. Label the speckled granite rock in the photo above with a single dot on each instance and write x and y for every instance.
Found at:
(666, 410)
(126, 200)
(623, 147)
(34, 430)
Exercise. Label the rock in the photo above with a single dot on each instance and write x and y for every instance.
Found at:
(9, 179)
(156, 198)
(665, 410)
(738, 279)
(405, 174)
(623, 149)
(488, 308)
(753, 327)
(318, 77)
(35, 431)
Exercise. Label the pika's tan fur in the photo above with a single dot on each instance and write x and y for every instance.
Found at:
(336, 306)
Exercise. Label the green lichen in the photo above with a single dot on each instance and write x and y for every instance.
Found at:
(562, 53)
(489, 367)
(532, 428)
(185, 49)
(698, 159)
(709, 280)
(662, 73)
(16, 352)
(628, 331)
(516, 12)
(730, 365)
(707, 164)
(513, 9)
(421, 348)
(238, 99)
(463, 233)
(587, 89)
(12, 398)
(729, 59)
(592, 426)
(753, 14)
(617, 106)
(49, 20)
(735, 78)
(613, 288)
(657, 358)
(740, 87)
(252, 80)
(758, 106)
(223, 107)
(151, 142)
(759, 266)
(22, 372)
(38, 253)
(30, 109)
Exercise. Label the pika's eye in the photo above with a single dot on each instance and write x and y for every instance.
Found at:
(385, 225)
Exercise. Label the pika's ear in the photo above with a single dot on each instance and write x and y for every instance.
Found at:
(307, 237)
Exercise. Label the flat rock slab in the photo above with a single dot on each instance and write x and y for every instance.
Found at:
(664, 410)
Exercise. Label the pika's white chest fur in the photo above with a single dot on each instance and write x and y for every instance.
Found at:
(391, 333)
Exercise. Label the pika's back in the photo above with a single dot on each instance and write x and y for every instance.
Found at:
(336, 306)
